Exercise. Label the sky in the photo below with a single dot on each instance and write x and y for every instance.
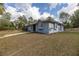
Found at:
(39, 10)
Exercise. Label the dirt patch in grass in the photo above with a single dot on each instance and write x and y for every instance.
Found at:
(2, 33)
(66, 44)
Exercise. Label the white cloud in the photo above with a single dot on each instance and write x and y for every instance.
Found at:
(69, 9)
(24, 9)
(23, 6)
(52, 16)
(33, 12)
(45, 15)
(27, 10)
(52, 5)
(10, 9)
(13, 11)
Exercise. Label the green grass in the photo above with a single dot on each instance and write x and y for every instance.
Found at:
(65, 43)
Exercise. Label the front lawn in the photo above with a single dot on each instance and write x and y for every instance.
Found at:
(66, 43)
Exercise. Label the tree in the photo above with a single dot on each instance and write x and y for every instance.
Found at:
(4, 24)
(75, 19)
(21, 22)
(6, 15)
(30, 20)
(67, 25)
(50, 18)
(2, 9)
(64, 17)
(5, 21)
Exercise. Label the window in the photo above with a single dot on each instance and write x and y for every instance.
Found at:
(41, 24)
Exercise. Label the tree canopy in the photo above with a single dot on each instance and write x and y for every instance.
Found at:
(64, 16)
(2, 9)
(75, 19)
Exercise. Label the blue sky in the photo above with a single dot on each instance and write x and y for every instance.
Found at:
(37, 10)
(44, 7)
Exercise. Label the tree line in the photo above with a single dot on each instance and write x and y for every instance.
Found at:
(69, 21)
(6, 24)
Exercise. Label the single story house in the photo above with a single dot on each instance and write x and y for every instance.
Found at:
(47, 26)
